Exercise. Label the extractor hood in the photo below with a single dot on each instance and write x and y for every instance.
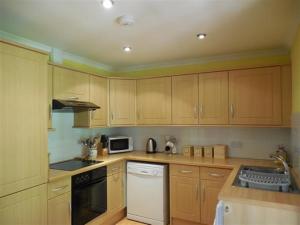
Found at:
(72, 106)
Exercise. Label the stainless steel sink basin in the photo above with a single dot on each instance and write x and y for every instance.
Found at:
(266, 178)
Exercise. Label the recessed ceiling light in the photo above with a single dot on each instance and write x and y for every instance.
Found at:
(107, 4)
(127, 49)
(201, 36)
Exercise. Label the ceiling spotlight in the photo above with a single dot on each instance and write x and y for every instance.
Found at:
(127, 49)
(107, 4)
(201, 36)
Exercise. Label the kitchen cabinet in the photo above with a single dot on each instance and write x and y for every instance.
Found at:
(23, 123)
(115, 187)
(154, 101)
(122, 96)
(59, 210)
(213, 98)
(286, 83)
(184, 193)
(209, 199)
(70, 84)
(25, 207)
(255, 96)
(98, 96)
(185, 99)
(50, 93)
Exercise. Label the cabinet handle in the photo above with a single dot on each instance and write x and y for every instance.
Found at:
(203, 194)
(185, 171)
(59, 188)
(216, 175)
(70, 211)
(201, 109)
(195, 111)
(197, 191)
(138, 115)
(50, 112)
(73, 98)
(232, 110)
(114, 169)
(112, 116)
(93, 114)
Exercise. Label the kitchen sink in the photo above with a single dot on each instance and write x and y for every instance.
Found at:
(266, 178)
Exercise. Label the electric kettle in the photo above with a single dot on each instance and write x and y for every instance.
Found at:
(151, 146)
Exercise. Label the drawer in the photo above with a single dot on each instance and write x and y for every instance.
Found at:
(59, 187)
(183, 170)
(209, 173)
(115, 168)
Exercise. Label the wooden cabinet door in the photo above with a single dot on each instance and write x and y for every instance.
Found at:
(26, 207)
(209, 199)
(185, 99)
(50, 93)
(70, 84)
(115, 189)
(255, 96)
(213, 98)
(59, 210)
(23, 119)
(122, 101)
(185, 199)
(286, 83)
(154, 101)
(98, 96)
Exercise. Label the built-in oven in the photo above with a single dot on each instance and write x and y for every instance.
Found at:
(89, 195)
(117, 144)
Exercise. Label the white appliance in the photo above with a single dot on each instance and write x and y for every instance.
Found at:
(147, 193)
(118, 144)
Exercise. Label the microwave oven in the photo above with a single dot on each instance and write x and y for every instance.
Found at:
(118, 144)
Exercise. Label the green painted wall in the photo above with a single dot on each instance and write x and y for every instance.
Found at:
(295, 58)
(210, 66)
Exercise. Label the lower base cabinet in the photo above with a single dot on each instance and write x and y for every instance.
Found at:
(28, 207)
(59, 210)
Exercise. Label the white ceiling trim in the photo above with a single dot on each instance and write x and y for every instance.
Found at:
(208, 59)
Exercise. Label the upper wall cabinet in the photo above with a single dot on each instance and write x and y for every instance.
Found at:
(98, 96)
(23, 118)
(185, 99)
(154, 101)
(255, 96)
(122, 94)
(213, 98)
(286, 84)
(70, 85)
(50, 94)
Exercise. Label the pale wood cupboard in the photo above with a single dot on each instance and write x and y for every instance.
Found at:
(185, 99)
(194, 193)
(255, 96)
(98, 95)
(28, 207)
(154, 101)
(122, 100)
(59, 210)
(23, 119)
(70, 85)
(50, 93)
(213, 98)
(286, 98)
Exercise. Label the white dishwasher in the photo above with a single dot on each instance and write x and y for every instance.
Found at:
(147, 193)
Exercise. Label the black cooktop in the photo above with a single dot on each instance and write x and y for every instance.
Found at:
(73, 164)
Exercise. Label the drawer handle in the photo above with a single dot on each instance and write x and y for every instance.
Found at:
(216, 175)
(73, 98)
(115, 169)
(185, 171)
(60, 188)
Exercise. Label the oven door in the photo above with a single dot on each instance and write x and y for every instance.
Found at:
(89, 201)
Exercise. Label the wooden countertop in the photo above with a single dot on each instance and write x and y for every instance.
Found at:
(228, 193)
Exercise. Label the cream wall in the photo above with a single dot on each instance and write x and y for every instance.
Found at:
(295, 57)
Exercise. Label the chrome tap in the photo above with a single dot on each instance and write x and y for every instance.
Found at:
(284, 163)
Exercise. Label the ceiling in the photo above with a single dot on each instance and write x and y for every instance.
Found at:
(164, 31)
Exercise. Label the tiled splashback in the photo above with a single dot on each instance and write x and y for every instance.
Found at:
(63, 142)
(296, 140)
(243, 142)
